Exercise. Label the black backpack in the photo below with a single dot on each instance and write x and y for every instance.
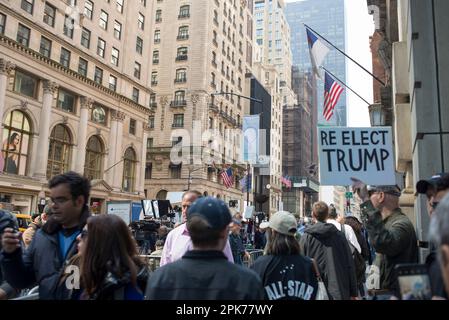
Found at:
(359, 261)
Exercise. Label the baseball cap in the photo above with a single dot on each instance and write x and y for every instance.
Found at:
(439, 181)
(214, 211)
(390, 189)
(283, 222)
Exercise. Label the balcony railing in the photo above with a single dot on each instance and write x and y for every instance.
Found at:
(182, 37)
(184, 16)
(181, 57)
(154, 83)
(153, 104)
(177, 125)
(155, 61)
(213, 107)
(181, 80)
(178, 103)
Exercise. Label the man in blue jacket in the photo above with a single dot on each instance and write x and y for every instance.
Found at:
(43, 262)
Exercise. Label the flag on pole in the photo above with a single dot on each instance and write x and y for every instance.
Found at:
(318, 51)
(227, 177)
(332, 92)
(286, 181)
(245, 183)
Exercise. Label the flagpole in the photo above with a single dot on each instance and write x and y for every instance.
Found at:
(345, 85)
(342, 52)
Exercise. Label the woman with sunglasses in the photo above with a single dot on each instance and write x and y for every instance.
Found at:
(110, 268)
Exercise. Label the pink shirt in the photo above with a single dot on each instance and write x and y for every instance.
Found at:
(178, 243)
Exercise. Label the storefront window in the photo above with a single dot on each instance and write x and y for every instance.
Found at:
(16, 143)
(59, 151)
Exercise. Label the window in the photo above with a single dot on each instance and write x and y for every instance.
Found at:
(184, 12)
(88, 9)
(136, 94)
(183, 33)
(175, 171)
(49, 14)
(153, 102)
(99, 114)
(129, 170)
(66, 101)
(65, 58)
(98, 76)
(112, 83)
(132, 126)
(154, 78)
(85, 38)
(16, 131)
(117, 30)
(158, 15)
(155, 57)
(59, 151)
(148, 170)
(69, 24)
(180, 98)
(27, 5)
(23, 35)
(151, 122)
(181, 54)
(103, 20)
(149, 143)
(137, 68)
(82, 67)
(141, 21)
(119, 6)
(2, 23)
(94, 158)
(178, 121)
(45, 47)
(212, 81)
(139, 45)
(157, 36)
(115, 56)
(101, 47)
(181, 76)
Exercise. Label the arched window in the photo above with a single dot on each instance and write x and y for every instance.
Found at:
(184, 12)
(183, 33)
(59, 151)
(161, 195)
(94, 158)
(16, 143)
(181, 75)
(129, 170)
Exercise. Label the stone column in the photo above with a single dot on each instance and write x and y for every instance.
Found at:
(50, 88)
(5, 69)
(86, 105)
(115, 147)
(141, 185)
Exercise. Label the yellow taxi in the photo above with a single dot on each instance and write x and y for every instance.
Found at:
(23, 220)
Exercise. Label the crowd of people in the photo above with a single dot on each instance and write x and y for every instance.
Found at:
(73, 255)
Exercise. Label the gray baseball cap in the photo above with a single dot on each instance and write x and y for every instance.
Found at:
(283, 222)
(390, 189)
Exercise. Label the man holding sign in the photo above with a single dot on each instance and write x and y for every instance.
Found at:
(390, 231)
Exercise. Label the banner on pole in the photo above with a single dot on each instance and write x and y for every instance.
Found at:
(362, 153)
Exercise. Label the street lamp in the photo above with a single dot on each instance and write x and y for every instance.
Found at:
(376, 115)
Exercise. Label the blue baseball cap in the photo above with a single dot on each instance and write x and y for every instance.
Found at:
(214, 211)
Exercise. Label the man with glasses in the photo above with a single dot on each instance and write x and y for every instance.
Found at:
(390, 231)
(54, 244)
(435, 189)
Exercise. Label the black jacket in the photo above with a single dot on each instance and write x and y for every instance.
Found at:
(435, 275)
(204, 275)
(288, 277)
(41, 264)
(329, 247)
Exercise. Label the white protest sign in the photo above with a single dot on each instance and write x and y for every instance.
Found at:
(121, 209)
(363, 153)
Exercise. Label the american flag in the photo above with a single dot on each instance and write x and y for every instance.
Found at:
(332, 92)
(286, 181)
(227, 177)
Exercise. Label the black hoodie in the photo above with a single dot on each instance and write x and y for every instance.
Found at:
(329, 248)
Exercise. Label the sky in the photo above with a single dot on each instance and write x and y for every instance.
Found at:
(359, 27)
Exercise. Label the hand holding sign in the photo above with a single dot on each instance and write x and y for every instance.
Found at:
(360, 188)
